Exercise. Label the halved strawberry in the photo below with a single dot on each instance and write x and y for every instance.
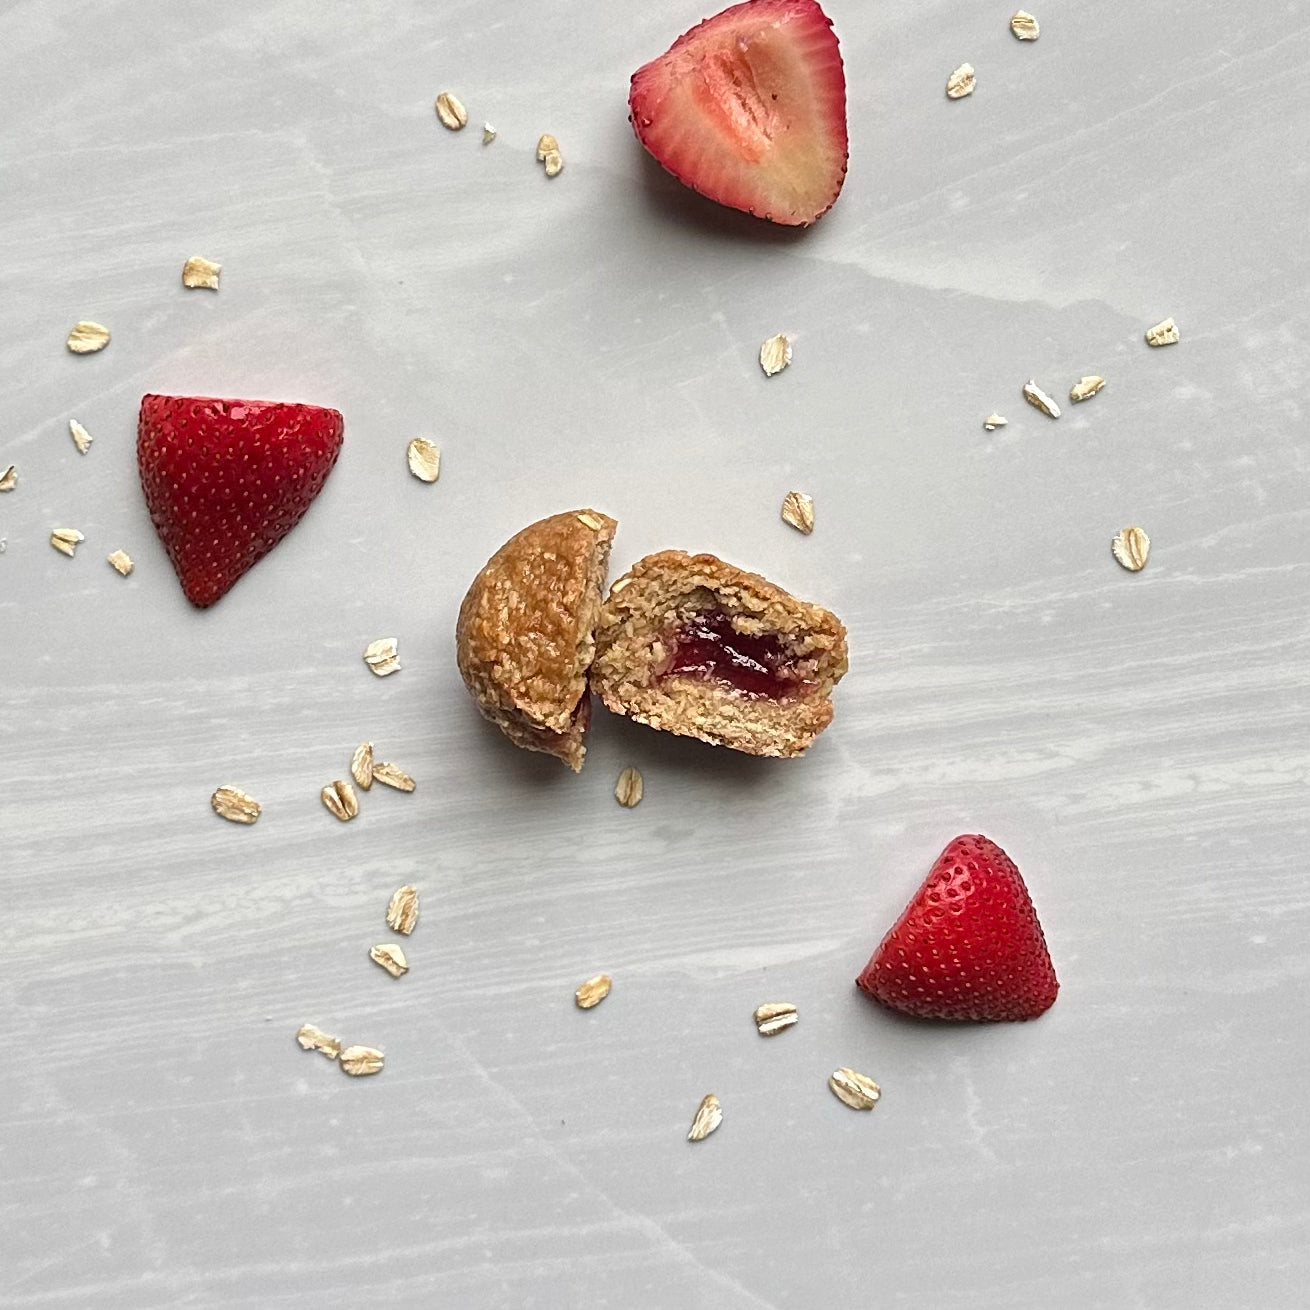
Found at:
(749, 109)
(968, 945)
(226, 480)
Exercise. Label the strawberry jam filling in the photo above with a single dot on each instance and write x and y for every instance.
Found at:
(708, 647)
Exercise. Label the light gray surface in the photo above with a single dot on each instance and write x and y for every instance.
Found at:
(1139, 744)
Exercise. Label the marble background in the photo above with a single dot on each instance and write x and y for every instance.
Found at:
(1140, 744)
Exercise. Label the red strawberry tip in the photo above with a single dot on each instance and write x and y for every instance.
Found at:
(969, 946)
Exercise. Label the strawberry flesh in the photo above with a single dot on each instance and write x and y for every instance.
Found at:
(226, 480)
(749, 109)
(969, 946)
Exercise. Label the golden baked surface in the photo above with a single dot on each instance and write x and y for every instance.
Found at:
(524, 639)
(656, 596)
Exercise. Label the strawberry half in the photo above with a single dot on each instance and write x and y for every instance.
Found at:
(226, 480)
(968, 945)
(749, 109)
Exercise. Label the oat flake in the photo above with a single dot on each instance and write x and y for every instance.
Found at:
(451, 111)
(488, 134)
(389, 957)
(233, 804)
(424, 459)
(1132, 548)
(359, 1061)
(392, 775)
(775, 354)
(361, 765)
(66, 540)
(87, 337)
(593, 991)
(122, 561)
(402, 909)
(315, 1039)
(854, 1089)
(629, 788)
(1164, 333)
(994, 421)
(81, 437)
(9, 479)
(339, 800)
(774, 1017)
(1085, 388)
(382, 656)
(798, 511)
(1038, 399)
(1024, 26)
(961, 82)
(201, 272)
(709, 1115)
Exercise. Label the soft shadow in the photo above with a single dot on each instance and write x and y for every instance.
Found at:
(690, 758)
(932, 1030)
(499, 756)
(671, 201)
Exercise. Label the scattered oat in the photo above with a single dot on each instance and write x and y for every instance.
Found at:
(233, 804)
(424, 459)
(389, 957)
(340, 801)
(87, 337)
(628, 789)
(9, 479)
(451, 111)
(549, 155)
(392, 775)
(1163, 334)
(774, 1017)
(994, 421)
(1086, 388)
(590, 520)
(1024, 26)
(1132, 548)
(960, 83)
(488, 134)
(593, 991)
(4, 544)
(775, 354)
(854, 1089)
(201, 272)
(798, 511)
(65, 540)
(381, 656)
(122, 561)
(1038, 399)
(402, 909)
(709, 1115)
(81, 437)
(359, 1061)
(361, 765)
(315, 1039)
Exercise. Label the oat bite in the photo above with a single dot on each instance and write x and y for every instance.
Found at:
(526, 632)
(692, 645)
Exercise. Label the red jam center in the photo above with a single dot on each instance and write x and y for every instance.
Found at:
(708, 646)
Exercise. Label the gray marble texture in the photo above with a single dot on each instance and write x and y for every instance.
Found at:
(1139, 743)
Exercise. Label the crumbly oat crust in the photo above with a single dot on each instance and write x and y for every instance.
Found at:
(525, 636)
(661, 591)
